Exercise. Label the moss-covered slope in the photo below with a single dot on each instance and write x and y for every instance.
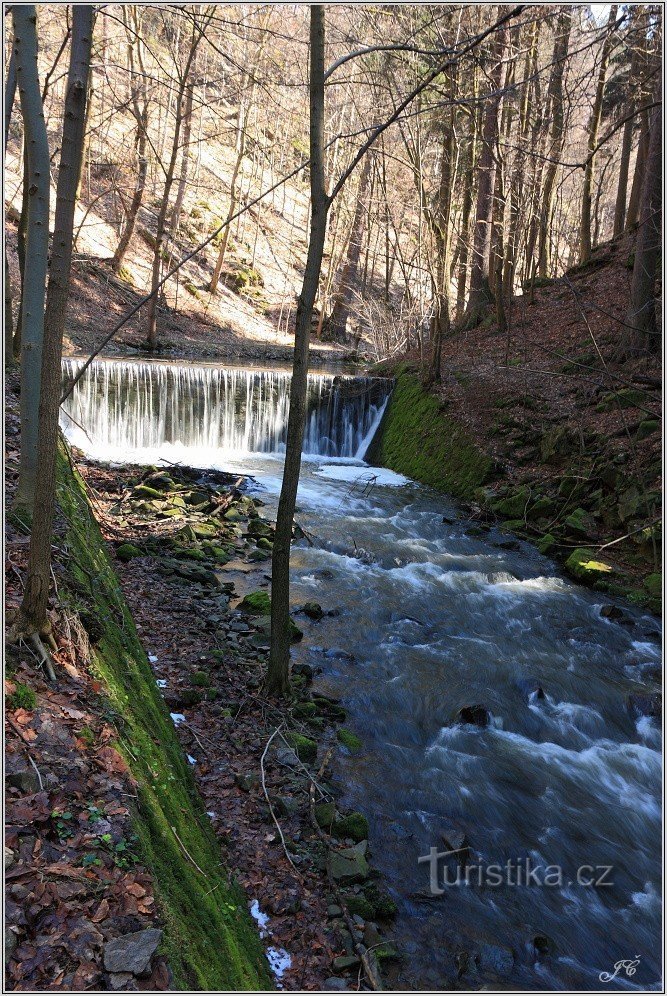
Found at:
(418, 439)
(209, 938)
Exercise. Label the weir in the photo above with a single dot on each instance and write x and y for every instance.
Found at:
(130, 406)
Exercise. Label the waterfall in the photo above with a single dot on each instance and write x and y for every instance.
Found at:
(124, 407)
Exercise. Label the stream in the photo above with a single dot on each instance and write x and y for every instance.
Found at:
(565, 774)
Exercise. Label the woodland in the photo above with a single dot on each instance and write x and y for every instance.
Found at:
(333, 508)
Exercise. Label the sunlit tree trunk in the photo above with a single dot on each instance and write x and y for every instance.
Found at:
(10, 92)
(35, 598)
(638, 177)
(340, 311)
(37, 248)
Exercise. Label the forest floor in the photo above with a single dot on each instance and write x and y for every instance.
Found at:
(548, 400)
(261, 766)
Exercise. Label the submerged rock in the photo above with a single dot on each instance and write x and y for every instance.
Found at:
(474, 715)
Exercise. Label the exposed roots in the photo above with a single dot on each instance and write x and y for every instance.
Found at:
(41, 642)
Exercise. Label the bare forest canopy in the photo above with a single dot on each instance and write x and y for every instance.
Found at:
(523, 153)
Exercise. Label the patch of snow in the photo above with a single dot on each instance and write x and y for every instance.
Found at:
(279, 961)
(363, 477)
(152, 658)
(161, 682)
(191, 759)
(261, 919)
(177, 718)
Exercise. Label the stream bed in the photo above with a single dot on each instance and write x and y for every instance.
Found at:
(560, 770)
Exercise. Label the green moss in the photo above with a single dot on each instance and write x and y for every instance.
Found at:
(627, 397)
(349, 740)
(210, 941)
(305, 748)
(256, 603)
(359, 906)
(201, 679)
(647, 428)
(546, 543)
(355, 826)
(21, 698)
(584, 566)
(417, 439)
(514, 506)
(128, 551)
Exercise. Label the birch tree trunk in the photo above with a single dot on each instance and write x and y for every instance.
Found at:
(37, 248)
(277, 679)
(35, 597)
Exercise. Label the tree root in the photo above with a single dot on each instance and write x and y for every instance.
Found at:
(22, 632)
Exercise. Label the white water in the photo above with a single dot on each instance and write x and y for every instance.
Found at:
(124, 409)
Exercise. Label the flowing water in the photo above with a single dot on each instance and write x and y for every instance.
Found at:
(431, 619)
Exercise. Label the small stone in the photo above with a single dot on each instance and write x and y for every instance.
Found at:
(11, 943)
(132, 953)
(475, 715)
(287, 756)
(128, 551)
(334, 910)
(325, 814)
(611, 612)
(119, 980)
(349, 865)
(345, 962)
(25, 781)
(313, 610)
(9, 858)
(335, 985)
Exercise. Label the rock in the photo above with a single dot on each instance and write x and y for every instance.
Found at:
(584, 565)
(349, 740)
(306, 670)
(287, 756)
(325, 814)
(11, 943)
(302, 710)
(349, 865)
(542, 508)
(513, 506)
(496, 959)
(345, 962)
(258, 527)
(25, 780)
(627, 397)
(247, 782)
(647, 428)
(360, 906)
(333, 910)
(475, 715)
(128, 551)
(383, 905)
(558, 443)
(335, 985)
(256, 603)
(354, 826)
(580, 523)
(313, 610)
(546, 543)
(132, 953)
(305, 748)
(646, 705)
(232, 515)
(9, 858)
(119, 980)
(610, 612)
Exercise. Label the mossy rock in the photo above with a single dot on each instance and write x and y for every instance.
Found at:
(513, 506)
(256, 603)
(232, 515)
(325, 814)
(349, 740)
(514, 525)
(201, 679)
(584, 565)
(306, 749)
(546, 543)
(247, 276)
(22, 697)
(354, 826)
(580, 523)
(204, 530)
(302, 710)
(627, 397)
(384, 907)
(542, 508)
(145, 491)
(358, 905)
(193, 554)
(653, 588)
(263, 543)
(313, 610)
(647, 428)
(259, 527)
(558, 443)
(128, 551)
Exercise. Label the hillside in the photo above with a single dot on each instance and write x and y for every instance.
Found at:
(572, 437)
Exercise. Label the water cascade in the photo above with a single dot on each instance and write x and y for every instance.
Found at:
(122, 407)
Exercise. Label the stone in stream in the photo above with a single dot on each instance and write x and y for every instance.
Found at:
(474, 715)
(132, 952)
(610, 612)
(646, 704)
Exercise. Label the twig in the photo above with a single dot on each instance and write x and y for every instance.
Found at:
(187, 853)
(39, 777)
(266, 796)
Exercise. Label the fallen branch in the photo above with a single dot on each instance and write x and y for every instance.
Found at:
(266, 796)
(187, 853)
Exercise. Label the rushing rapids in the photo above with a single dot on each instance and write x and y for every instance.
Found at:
(563, 771)
(127, 406)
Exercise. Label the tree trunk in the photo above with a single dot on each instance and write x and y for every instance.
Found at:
(35, 598)
(10, 92)
(140, 112)
(585, 246)
(340, 311)
(643, 337)
(626, 145)
(555, 107)
(241, 136)
(638, 178)
(277, 679)
(480, 287)
(37, 248)
(185, 161)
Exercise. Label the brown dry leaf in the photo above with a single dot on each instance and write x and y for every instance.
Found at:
(102, 912)
(110, 760)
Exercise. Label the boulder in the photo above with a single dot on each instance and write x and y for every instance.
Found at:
(584, 565)
(349, 740)
(132, 952)
(128, 551)
(305, 748)
(349, 865)
(313, 610)
(354, 826)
